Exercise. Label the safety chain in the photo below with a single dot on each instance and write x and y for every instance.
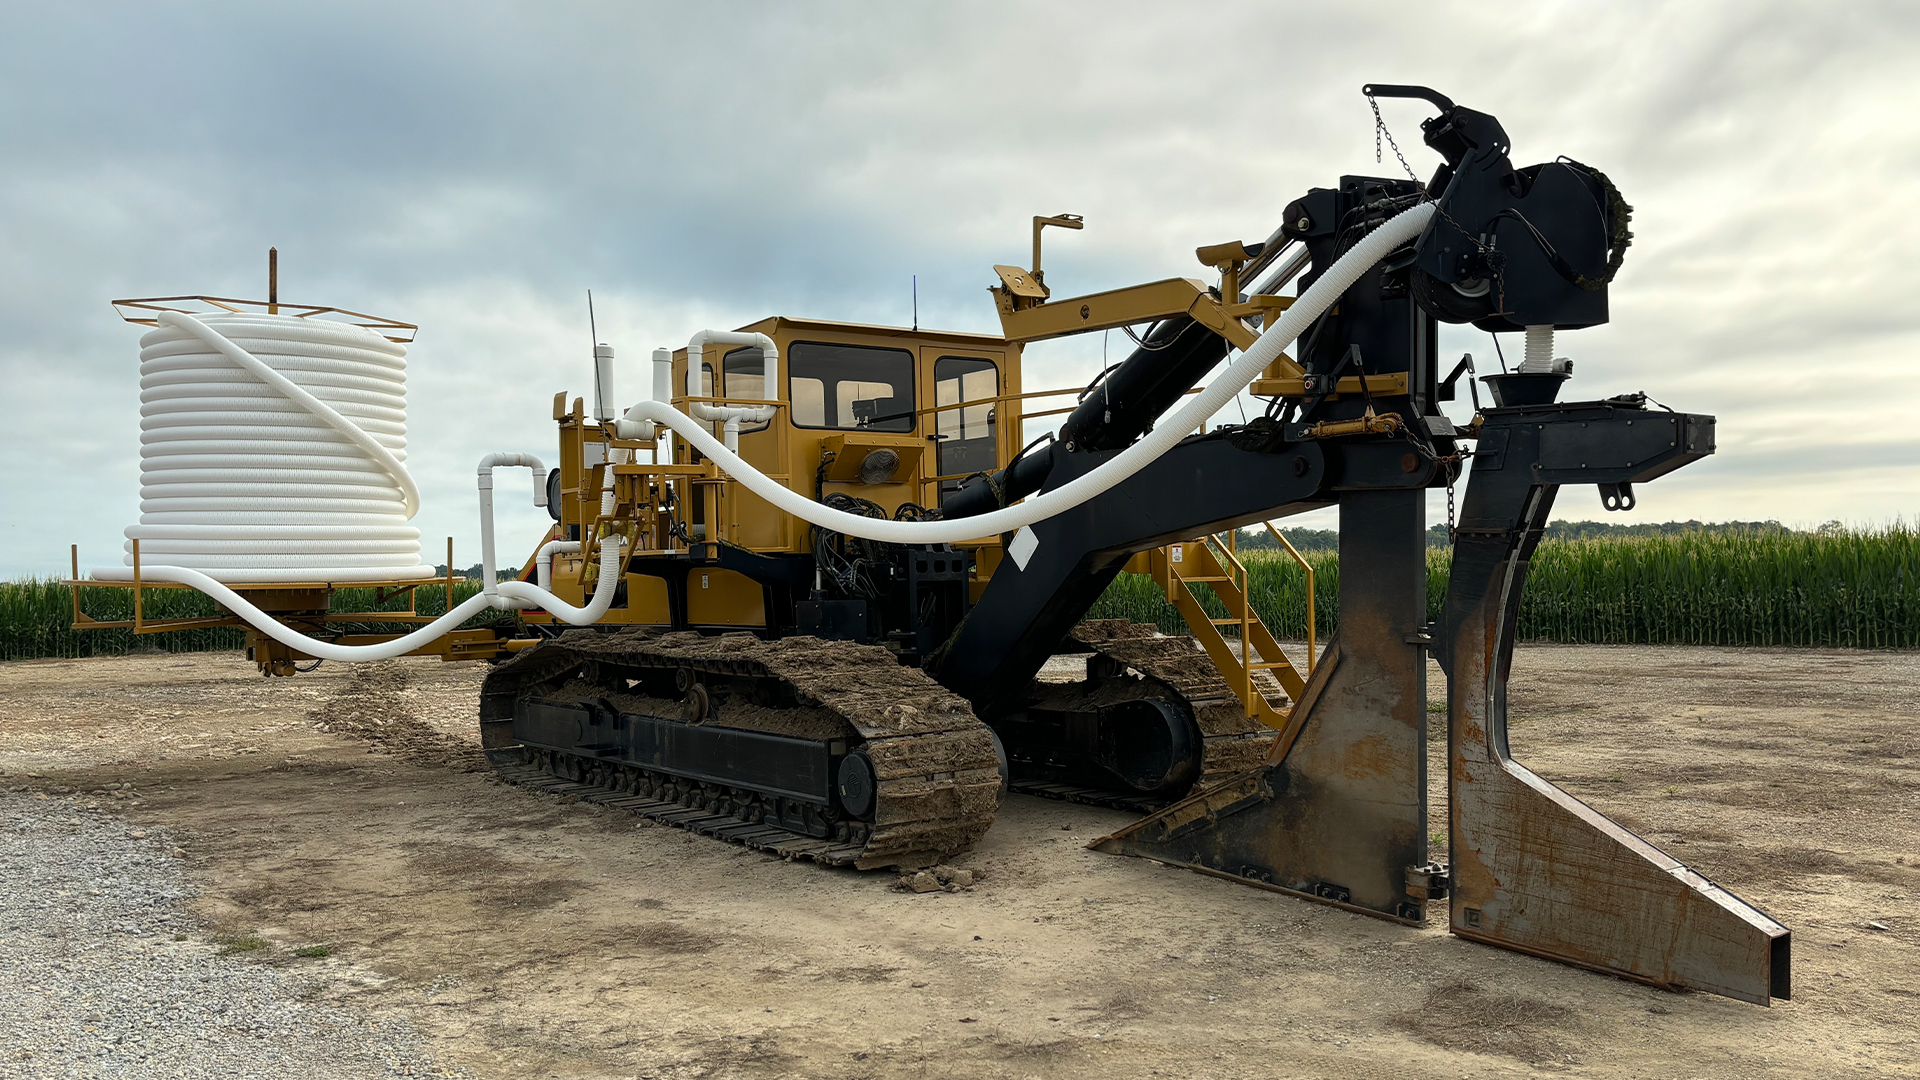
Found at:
(1453, 465)
(1379, 131)
(1451, 531)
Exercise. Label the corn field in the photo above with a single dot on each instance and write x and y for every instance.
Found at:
(1765, 587)
(1828, 588)
(36, 618)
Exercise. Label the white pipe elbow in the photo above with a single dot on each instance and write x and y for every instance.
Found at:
(543, 563)
(612, 550)
(488, 586)
(769, 355)
(733, 415)
(496, 461)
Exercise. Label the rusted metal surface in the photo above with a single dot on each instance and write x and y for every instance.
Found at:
(1338, 813)
(1535, 869)
(1341, 816)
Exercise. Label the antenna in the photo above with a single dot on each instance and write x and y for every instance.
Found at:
(273, 281)
(602, 369)
(916, 301)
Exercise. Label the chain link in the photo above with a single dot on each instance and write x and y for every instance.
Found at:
(1452, 533)
(1453, 464)
(1380, 131)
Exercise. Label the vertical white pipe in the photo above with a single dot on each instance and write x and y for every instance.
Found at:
(487, 464)
(663, 374)
(603, 383)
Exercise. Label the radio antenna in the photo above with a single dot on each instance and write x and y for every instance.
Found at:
(602, 369)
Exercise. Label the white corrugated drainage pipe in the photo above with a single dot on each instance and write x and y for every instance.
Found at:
(610, 560)
(1321, 295)
(506, 594)
(271, 451)
(1539, 353)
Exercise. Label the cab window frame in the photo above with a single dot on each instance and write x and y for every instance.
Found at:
(829, 387)
(953, 416)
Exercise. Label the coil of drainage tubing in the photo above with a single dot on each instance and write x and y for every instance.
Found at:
(272, 450)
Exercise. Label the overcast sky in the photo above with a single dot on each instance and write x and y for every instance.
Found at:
(475, 168)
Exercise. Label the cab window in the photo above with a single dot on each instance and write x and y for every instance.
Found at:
(744, 372)
(965, 435)
(850, 387)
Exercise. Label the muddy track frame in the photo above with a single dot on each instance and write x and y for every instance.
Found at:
(935, 772)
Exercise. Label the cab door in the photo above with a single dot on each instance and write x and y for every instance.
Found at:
(964, 424)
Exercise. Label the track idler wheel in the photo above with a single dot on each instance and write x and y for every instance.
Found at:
(855, 784)
(696, 705)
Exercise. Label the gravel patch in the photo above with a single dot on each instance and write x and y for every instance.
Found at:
(103, 972)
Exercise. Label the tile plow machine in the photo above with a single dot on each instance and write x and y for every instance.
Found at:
(813, 578)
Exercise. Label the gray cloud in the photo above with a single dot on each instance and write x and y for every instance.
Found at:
(477, 167)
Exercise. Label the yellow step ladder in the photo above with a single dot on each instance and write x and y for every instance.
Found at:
(1181, 569)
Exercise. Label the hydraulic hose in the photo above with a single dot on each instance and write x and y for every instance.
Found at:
(1321, 295)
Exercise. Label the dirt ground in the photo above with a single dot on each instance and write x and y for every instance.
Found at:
(532, 936)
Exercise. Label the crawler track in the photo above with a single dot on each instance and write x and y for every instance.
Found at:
(1169, 668)
(936, 774)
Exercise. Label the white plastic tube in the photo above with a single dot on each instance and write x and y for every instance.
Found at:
(543, 562)
(1321, 295)
(729, 417)
(487, 465)
(603, 382)
(1539, 354)
(507, 594)
(769, 355)
(272, 451)
(610, 551)
(663, 374)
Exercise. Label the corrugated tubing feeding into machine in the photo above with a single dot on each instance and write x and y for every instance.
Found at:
(272, 450)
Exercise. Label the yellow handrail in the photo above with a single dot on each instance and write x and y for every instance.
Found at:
(1308, 567)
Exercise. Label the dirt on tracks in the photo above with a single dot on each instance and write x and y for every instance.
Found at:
(531, 936)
